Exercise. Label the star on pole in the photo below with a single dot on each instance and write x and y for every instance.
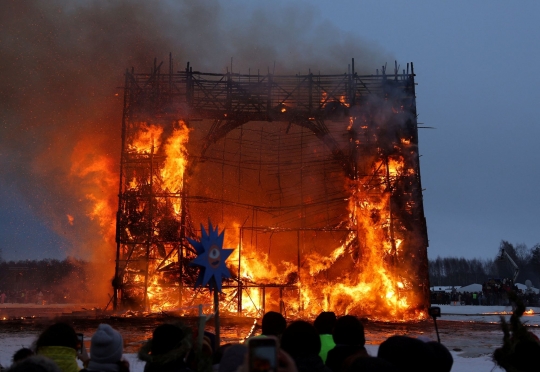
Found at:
(211, 257)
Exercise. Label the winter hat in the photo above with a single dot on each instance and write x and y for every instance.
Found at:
(106, 346)
(233, 357)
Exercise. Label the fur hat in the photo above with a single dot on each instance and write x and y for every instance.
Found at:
(106, 346)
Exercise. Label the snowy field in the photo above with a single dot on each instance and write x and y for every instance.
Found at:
(471, 349)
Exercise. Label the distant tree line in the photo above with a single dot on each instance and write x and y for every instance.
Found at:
(462, 271)
(68, 279)
(61, 281)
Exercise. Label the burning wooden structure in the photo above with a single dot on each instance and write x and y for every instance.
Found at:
(315, 178)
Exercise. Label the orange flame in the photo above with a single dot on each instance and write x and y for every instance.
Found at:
(150, 139)
(372, 288)
(147, 138)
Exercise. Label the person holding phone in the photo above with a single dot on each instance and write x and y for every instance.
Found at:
(267, 356)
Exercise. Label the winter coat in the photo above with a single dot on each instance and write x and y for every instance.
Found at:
(338, 355)
(310, 363)
(64, 357)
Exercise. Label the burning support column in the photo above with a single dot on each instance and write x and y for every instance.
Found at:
(151, 214)
(386, 210)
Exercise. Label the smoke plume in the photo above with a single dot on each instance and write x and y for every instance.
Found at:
(62, 66)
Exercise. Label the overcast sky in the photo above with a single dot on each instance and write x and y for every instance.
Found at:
(478, 87)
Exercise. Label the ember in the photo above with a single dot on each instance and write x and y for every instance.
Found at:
(315, 179)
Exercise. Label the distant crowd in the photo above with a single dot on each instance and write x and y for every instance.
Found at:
(494, 293)
(33, 296)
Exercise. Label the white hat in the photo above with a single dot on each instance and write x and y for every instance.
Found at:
(106, 346)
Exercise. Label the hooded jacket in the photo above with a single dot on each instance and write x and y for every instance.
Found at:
(64, 357)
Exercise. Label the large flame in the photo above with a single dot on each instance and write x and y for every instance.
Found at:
(371, 289)
(374, 281)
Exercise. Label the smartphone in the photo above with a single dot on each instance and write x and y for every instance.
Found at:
(80, 343)
(262, 353)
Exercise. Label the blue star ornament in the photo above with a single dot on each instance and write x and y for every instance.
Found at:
(211, 257)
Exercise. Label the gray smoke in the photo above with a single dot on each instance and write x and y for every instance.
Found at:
(62, 64)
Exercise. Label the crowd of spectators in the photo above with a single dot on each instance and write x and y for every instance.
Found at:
(494, 292)
(34, 296)
(330, 344)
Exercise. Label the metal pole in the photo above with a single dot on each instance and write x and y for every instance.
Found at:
(281, 304)
(300, 306)
(200, 333)
(437, 330)
(117, 279)
(182, 239)
(216, 318)
(264, 299)
(239, 271)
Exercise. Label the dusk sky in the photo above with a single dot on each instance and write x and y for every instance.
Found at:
(478, 88)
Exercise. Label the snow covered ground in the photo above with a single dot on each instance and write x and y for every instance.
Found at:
(471, 350)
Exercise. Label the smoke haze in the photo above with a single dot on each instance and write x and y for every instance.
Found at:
(62, 66)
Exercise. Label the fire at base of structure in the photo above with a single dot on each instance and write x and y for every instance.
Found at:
(315, 179)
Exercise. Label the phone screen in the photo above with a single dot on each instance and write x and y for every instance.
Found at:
(80, 343)
(262, 355)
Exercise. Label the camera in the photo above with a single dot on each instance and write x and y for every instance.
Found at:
(262, 352)
(434, 311)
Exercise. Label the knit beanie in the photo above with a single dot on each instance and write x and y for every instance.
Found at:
(106, 346)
